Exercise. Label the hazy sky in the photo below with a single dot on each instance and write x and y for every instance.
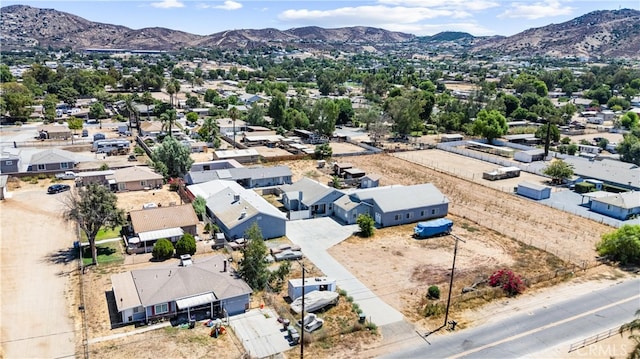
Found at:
(419, 17)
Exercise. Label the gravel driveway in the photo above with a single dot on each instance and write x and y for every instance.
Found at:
(36, 322)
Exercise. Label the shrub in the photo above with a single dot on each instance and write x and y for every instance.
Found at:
(621, 245)
(138, 151)
(186, 245)
(163, 249)
(508, 281)
(584, 187)
(433, 309)
(433, 292)
(366, 224)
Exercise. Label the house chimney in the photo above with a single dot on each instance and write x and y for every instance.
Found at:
(236, 198)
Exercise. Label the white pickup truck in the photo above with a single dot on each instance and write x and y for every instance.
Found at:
(68, 175)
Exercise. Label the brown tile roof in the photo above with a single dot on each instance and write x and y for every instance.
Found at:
(152, 219)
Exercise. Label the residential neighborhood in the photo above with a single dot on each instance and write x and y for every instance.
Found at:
(282, 202)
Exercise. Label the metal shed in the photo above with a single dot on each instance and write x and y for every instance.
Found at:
(533, 191)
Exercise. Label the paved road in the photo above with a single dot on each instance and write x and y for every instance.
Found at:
(540, 329)
(315, 236)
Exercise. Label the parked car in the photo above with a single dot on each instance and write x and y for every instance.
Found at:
(67, 175)
(132, 158)
(288, 255)
(57, 188)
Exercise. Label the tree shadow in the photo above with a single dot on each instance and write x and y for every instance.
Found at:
(62, 256)
(101, 250)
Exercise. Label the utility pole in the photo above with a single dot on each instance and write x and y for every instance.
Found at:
(453, 266)
(546, 142)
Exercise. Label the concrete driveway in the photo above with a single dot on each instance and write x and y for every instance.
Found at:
(315, 236)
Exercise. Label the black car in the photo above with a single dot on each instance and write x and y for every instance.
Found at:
(57, 188)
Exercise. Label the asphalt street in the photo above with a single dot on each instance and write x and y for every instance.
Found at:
(537, 329)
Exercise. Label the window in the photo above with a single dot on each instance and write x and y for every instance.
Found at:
(64, 165)
(122, 186)
(42, 167)
(9, 163)
(161, 308)
(136, 310)
(398, 217)
(143, 183)
(421, 213)
(434, 211)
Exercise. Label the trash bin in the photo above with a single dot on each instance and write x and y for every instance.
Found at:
(285, 324)
(362, 318)
(192, 324)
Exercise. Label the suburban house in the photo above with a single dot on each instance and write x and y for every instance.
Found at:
(370, 180)
(150, 128)
(52, 160)
(214, 165)
(621, 206)
(247, 177)
(234, 209)
(151, 224)
(134, 178)
(208, 285)
(309, 199)
(617, 173)
(248, 155)
(395, 205)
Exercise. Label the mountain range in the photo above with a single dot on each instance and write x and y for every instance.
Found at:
(612, 33)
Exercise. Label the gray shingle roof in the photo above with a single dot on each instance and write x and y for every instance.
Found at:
(238, 174)
(228, 210)
(312, 191)
(168, 283)
(626, 200)
(397, 198)
(611, 171)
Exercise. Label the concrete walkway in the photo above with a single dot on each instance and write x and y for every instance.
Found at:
(315, 236)
(133, 332)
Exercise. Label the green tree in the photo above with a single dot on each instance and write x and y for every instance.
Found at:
(131, 111)
(368, 116)
(192, 117)
(75, 123)
(622, 245)
(186, 245)
(97, 111)
(175, 157)
(253, 265)
(162, 249)
(323, 150)
(490, 125)
(324, 116)
(554, 136)
(404, 113)
(93, 207)
(15, 99)
(511, 103)
(209, 132)
(559, 171)
(234, 113)
(199, 206)
(629, 147)
(629, 120)
(68, 95)
(5, 74)
(255, 116)
(433, 292)
(49, 103)
(366, 224)
(276, 109)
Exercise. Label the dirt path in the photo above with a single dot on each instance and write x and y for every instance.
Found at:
(35, 312)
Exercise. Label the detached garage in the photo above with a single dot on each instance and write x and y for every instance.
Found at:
(533, 191)
(529, 156)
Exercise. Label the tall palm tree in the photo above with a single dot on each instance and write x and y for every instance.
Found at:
(130, 109)
(171, 89)
(234, 114)
(168, 118)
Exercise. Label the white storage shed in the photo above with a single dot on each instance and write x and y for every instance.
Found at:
(533, 191)
(311, 284)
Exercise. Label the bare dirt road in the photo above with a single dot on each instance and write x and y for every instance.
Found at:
(35, 314)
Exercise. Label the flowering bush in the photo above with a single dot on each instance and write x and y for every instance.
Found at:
(508, 281)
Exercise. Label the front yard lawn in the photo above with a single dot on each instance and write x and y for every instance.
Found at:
(103, 233)
(110, 252)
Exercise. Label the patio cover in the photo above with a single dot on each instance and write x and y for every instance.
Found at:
(195, 301)
(161, 233)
